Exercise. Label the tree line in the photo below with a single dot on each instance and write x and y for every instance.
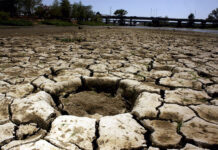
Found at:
(63, 9)
(58, 10)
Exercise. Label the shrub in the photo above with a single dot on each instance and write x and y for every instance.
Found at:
(57, 23)
(93, 23)
(16, 22)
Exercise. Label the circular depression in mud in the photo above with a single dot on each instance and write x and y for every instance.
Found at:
(98, 97)
(87, 103)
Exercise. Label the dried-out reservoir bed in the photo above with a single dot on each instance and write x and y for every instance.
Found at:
(107, 88)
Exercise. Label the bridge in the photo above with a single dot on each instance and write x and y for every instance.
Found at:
(133, 20)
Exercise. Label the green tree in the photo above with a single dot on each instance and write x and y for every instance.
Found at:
(10, 6)
(42, 11)
(120, 12)
(30, 5)
(55, 10)
(98, 17)
(81, 12)
(213, 15)
(65, 8)
(191, 17)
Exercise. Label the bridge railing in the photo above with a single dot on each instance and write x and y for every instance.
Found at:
(136, 19)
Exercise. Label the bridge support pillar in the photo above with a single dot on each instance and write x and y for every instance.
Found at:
(130, 22)
(107, 20)
(216, 24)
(179, 24)
(155, 22)
(203, 24)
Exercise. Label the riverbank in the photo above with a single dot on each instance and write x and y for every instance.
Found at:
(50, 29)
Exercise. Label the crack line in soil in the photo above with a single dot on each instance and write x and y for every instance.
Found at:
(97, 135)
(196, 113)
(183, 140)
(148, 133)
(55, 144)
(186, 140)
(157, 108)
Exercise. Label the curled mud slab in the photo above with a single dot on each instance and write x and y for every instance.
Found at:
(114, 89)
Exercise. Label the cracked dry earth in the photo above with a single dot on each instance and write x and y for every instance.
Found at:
(114, 89)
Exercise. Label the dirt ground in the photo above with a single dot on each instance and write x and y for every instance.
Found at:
(39, 30)
(90, 103)
(172, 76)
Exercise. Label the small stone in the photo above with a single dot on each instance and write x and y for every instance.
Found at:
(39, 145)
(186, 97)
(146, 104)
(36, 108)
(120, 132)
(26, 130)
(202, 132)
(7, 133)
(165, 133)
(176, 112)
(70, 131)
(207, 112)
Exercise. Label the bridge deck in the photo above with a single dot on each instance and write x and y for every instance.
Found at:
(159, 18)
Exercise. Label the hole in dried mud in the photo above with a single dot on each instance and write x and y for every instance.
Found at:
(86, 103)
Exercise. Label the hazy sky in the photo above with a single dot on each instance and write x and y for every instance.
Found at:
(170, 8)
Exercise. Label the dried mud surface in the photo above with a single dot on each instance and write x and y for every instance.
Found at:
(107, 88)
(90, 103)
